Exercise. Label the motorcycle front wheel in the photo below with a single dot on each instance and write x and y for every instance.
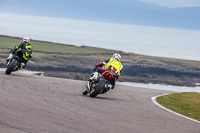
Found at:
(85, 91)
(11, 66)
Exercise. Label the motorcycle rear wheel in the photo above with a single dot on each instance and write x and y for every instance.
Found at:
(98, 89)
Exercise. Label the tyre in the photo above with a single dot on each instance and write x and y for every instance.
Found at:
(98, 89)
(85, 91)
(11, 66)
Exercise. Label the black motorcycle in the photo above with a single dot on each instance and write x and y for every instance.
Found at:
(14, 63)
(98, 86)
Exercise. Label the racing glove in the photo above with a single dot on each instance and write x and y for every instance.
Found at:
(15, 48)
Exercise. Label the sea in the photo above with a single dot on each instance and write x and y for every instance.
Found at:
(146, 40)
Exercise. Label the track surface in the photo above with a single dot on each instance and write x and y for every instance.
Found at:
(34, 104)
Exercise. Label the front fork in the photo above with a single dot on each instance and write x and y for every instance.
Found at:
(88, 87)
(7, 63)
(8, 60)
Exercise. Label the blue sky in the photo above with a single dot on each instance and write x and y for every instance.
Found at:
(163, 13)
(174, 3)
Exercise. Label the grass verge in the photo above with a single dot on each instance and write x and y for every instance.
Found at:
(186, 103)
(7, 42)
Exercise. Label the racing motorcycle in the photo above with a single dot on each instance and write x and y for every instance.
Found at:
(99, 85)
(14, 61)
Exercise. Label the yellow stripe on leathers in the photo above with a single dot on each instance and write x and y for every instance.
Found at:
(115, 63)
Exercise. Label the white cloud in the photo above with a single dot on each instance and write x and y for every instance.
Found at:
(174, 3)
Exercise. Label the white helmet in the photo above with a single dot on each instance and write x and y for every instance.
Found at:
(26, 39)
(117, 56)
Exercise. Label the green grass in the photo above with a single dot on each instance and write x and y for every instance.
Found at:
(187, 103)
(56, 52)
(6, 42)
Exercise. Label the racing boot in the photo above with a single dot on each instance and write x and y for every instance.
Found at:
(106, 88)
(94, 76)
(23, 65)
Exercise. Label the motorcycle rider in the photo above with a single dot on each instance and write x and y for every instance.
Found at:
(114, 64)
(26, 48)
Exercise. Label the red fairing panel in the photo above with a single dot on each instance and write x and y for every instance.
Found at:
(108, 75)
(88, 90)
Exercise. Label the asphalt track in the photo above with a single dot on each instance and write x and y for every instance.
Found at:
(36, 104)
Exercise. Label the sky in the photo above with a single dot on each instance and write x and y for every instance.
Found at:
(174, 3)
(184, 14)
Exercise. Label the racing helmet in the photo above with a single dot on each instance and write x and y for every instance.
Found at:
(26, 39)
(117, 56)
